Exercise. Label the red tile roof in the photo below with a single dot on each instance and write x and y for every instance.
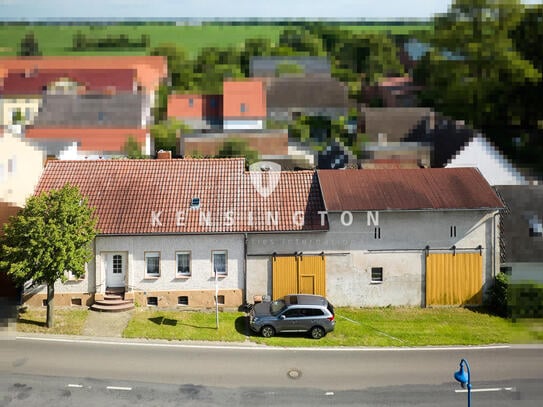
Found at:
(126, 193)
(406, 189)
(150, 70)
(89, 139)
(201, 107)
(93, 80)
(249, 92)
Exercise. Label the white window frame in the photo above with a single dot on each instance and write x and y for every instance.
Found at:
(149, 255)
(177, 272)
(219, 252)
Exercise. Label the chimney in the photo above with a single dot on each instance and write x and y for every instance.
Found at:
(164, 155)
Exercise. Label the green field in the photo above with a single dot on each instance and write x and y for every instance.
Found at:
(57, 39)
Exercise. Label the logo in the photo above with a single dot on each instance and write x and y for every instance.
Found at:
(265, 176)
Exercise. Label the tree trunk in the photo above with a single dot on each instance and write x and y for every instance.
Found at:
(50, 301)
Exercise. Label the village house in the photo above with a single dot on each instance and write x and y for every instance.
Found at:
(170, 231)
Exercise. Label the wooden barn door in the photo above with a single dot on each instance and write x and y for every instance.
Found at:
(298, 275)
(454, 279)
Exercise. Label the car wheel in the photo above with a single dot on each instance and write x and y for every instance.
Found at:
(267, 331)
(317, 332)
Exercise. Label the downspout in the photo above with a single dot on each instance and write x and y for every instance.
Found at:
(245, 269)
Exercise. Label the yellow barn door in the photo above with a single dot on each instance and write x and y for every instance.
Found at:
(298, 275)
(454, 279)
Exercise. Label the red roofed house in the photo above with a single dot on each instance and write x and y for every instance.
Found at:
(199, 112)
(244, 104)
(168, 228)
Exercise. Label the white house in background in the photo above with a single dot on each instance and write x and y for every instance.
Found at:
(479, 152)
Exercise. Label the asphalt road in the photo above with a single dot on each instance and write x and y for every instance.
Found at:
(39, 371)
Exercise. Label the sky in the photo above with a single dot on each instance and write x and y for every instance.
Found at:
(224, 9)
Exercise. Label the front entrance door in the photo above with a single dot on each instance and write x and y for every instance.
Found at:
(115, 270)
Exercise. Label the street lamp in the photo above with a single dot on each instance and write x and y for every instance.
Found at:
(464, 378)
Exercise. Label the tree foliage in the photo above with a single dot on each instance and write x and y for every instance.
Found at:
(238, 148)
(167, 133)
(132, 148)
(48, 239)
(473, 59)
(29, 46)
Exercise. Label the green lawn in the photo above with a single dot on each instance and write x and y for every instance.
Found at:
(66, 321)
(354, 327)
(185, 325)
(57, 39)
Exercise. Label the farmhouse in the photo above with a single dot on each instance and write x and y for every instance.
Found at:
(170, 231)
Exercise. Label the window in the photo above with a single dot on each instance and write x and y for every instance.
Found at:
(195, 203)
(293, 313)
(536, 226)
(152, 264)
(376, 274)
(377, 233)
(312, 312)
(242, 108)
(183, 264)
(220, 299)
(191, 102)
(117, 266)
(12, 165)
(219, 262)
(183, 300)
(213, 103)
(152, 301)
(452, 231)
(76, 302)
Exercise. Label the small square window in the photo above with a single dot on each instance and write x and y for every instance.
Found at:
(219, 262)
(183, 264)
(76, 302)
(376, 274)
(152, 301)
(220, 299)
(44, 303)
(152, 264)
(195, 203)
(183, 300)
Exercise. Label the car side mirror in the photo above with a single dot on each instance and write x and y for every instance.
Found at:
(282, 317)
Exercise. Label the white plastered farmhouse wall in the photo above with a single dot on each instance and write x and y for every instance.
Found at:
(353, 251)
(200, 248)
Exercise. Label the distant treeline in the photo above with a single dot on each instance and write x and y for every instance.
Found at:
(83, 43)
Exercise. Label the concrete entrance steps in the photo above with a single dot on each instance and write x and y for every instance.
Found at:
(113, 302)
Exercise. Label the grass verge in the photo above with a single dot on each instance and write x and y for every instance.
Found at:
(66, 321)
(185, 325)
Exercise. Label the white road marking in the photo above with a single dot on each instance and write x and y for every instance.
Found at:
(263, 347)
(329, 393)
(77, 386)
(119, 388)
(486, 390)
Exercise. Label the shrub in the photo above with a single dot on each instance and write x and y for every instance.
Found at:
(526, 300)
(498, 297)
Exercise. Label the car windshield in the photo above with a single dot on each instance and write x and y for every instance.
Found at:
(277, 306)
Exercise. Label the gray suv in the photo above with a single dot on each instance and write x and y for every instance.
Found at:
(293, 313)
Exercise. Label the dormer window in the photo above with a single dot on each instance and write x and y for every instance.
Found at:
(195, 203)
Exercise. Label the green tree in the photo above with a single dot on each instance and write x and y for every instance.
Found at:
(167, 133)
(29, 46)
(238, 148)
(132, 148)
(301, 41)
(180, 67)
(472, 60)
(48, 239)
